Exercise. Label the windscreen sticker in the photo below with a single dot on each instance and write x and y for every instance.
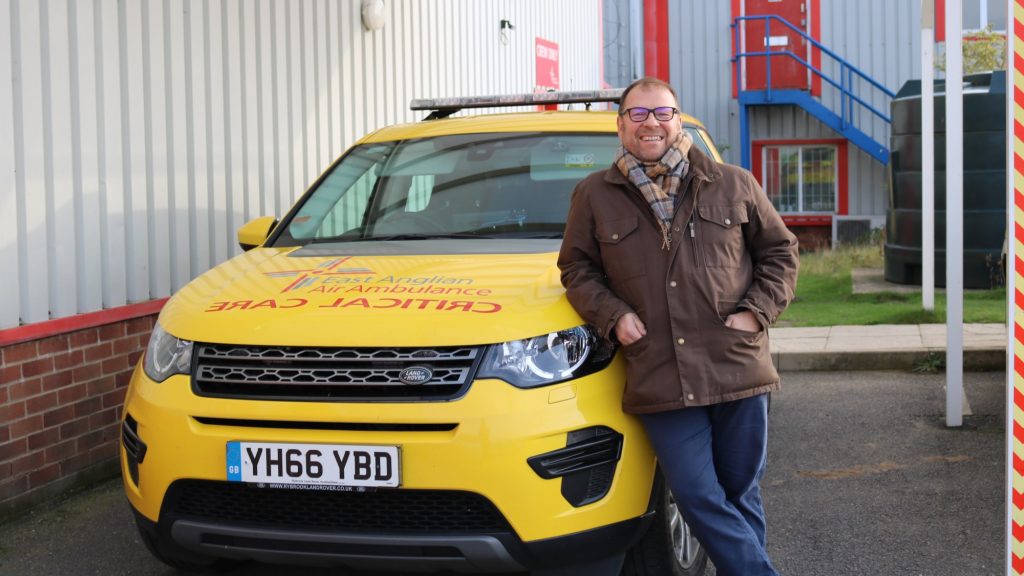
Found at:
(579, 160)
(330, 285)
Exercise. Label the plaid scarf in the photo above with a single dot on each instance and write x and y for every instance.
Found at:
(659, 181)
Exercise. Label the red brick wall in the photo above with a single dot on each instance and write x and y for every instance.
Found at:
(811, 238)
(60, 409)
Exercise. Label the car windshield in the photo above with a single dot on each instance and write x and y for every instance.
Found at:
(502, 185)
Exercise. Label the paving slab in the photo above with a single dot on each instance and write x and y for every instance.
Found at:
(884, 347)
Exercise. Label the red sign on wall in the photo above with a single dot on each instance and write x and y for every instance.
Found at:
(547, 65)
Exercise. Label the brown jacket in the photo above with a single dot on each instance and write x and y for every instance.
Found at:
(730, 250)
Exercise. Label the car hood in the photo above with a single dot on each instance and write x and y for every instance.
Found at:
(377, 294)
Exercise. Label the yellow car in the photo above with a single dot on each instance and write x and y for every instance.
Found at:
(391, 378)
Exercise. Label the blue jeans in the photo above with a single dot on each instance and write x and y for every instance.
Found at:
(713, 458)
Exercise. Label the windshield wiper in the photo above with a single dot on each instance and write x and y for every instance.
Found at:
(537, 236)
(346, 238)
(335, 239)
(431, 236)
(439, 236)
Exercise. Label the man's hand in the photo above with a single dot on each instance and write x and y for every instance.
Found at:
(743, 320)
(629, 328)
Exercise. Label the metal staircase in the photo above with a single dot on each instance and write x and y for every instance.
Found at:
(851, 80)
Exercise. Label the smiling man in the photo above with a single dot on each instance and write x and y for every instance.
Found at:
(685, 263)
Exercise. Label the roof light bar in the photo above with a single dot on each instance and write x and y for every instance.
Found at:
(442, 107)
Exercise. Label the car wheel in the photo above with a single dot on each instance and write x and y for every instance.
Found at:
(181, 559)
(668, 548)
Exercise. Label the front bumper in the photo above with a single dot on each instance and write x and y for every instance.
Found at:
(479, 444)
(460, 553)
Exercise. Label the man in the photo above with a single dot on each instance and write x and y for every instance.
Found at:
(686, 263)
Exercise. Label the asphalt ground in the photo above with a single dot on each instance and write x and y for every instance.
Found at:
(863, 478)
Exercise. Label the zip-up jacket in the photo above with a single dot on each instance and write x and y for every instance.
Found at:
(729, 251)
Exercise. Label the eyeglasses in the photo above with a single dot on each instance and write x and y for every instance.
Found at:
(639, 114)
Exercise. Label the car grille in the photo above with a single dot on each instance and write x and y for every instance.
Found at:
(421, 511)
(331, 374)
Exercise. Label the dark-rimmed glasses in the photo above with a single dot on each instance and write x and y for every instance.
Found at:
(639, 113)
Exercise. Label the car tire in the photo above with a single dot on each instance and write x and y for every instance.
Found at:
(668, 548)
(181, 559)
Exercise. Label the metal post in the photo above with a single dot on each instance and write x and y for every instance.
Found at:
(954, 215)
(1014, 512)
(849, 86)
(927, 155)
(842, 94)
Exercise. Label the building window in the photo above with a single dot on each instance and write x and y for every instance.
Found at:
(977, 14)
(801, 178)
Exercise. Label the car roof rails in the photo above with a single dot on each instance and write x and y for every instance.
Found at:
(445, 107)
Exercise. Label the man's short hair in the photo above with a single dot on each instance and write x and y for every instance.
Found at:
(647, 82)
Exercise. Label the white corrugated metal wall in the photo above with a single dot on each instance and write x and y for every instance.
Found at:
(143, 133)
(880, 37)
(700, 44)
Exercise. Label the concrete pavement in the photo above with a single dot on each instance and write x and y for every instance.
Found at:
(884, 347)
(865, 451)
(863, 478)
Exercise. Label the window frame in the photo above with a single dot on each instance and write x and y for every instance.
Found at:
(810, 218)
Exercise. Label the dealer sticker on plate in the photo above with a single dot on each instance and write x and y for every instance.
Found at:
(313, 464)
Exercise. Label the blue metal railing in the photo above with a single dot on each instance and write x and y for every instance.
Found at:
(846, 70)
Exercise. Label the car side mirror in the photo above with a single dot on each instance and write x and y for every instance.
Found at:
(255, 232)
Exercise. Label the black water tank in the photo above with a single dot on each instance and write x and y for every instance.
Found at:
(984, 182)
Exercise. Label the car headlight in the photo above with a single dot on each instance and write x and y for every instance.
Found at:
(547, 359)
(166, 355)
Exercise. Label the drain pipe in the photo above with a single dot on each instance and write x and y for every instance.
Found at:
(636, 37)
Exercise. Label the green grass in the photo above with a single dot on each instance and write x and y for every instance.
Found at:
(824, 295)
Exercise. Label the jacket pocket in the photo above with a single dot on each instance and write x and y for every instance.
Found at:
(721, 234)
(636, 348)
(725, 308)
(621, 252)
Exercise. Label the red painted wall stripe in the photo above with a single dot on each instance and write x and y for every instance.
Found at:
(656, 39)
(77, 322)
(735, 12)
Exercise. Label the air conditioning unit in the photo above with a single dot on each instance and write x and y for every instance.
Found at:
(856, 229)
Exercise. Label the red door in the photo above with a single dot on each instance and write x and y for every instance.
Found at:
(786, 72)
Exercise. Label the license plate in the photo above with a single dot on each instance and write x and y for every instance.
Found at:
(313, 464)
